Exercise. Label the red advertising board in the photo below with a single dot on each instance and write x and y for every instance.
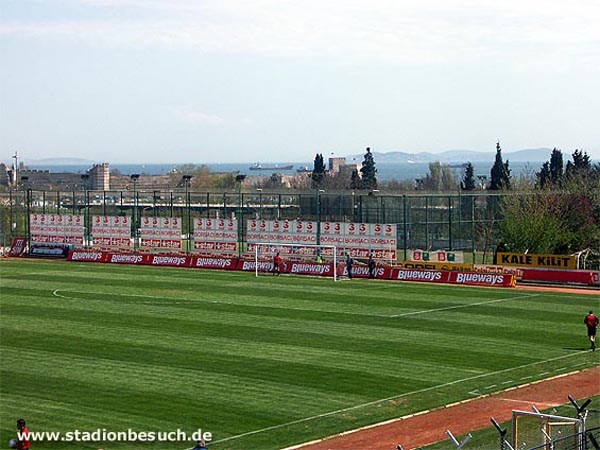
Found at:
(362, 271)
(587, 277)
(170, 260)
(443, 276)
(86, 256)
(213, 263)
(18, 247)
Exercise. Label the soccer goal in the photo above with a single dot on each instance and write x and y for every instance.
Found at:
(535, 430)
(304, 259)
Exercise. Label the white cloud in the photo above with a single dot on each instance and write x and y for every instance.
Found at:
(346, 30)
(196, 117)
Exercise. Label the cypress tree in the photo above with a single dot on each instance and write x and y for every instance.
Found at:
(318, 173)
(500, 173)
(368, 171)
(468, 181)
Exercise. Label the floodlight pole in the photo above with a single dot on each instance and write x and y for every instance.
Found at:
(186, 180)
(239, 178)
(86, 214)
(134, 177)
(318, 204)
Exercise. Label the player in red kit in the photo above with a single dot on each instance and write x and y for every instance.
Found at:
(23, 441)
(277, 264)
(591, 321)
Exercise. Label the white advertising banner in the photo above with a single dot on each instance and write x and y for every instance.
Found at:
(57, 228)
(111, 231)
(216, 235)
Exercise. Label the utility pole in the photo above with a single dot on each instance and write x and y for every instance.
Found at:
(16, 173)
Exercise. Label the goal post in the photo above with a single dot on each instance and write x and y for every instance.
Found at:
(535, 430)
(305, 259)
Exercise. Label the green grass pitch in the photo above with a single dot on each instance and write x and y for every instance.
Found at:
(261, 363)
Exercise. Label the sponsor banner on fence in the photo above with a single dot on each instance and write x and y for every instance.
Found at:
(18, 247)
(124, 258)
(49, 251)
(460, 267)
(170, 260)
(516, 271)
(431, 276)
(435, 256)
(357, 238)
(160, 232)
(587, 277)
(216, 235)
(362, 271)
(442, 276)
(483, 279)
(87, 256)
(536, 260)
(56, 228)
(111, 231)
(214, 263)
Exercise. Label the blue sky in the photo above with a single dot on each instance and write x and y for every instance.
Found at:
(156, 81)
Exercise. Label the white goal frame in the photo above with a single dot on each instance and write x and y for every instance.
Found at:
(279, 245)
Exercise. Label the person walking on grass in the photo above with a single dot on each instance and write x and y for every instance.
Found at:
(591, 321)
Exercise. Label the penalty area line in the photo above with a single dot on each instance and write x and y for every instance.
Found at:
(447, 308)
(393, 397)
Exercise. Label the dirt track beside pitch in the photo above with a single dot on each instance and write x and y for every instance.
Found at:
(428, 428)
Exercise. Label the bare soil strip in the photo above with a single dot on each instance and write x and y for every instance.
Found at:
(425, 429)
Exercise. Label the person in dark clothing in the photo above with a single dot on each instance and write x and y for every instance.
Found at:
(371, 265)
(591, 322)
(349, 263)
(201, 445)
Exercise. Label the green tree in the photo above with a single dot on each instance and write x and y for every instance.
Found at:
(556, 167)
(500, 173)
(355, 180)
(581, 164)
(368, 171)
(468, 181)
(439, 178)
(318, 173)
(543, 176)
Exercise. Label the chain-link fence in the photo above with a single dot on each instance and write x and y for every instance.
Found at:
(457, 221)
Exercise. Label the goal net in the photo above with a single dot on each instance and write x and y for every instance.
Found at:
(545, 431)
(301, 259)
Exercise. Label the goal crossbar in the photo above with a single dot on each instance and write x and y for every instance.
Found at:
(295, 251)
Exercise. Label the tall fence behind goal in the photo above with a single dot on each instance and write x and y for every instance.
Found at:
(298, 258)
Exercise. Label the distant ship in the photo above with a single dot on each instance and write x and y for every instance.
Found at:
(304, 169)
(258, 166)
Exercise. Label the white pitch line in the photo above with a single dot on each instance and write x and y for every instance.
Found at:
(406, 394)
(176, 301)
(463, 306)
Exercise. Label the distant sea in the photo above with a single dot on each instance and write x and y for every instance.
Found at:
(385, 171)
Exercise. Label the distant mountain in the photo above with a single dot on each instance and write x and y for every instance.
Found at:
(459, 156)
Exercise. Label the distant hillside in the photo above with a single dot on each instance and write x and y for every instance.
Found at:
(459, 156)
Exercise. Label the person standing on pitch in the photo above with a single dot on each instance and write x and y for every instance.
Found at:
(277, 264)
(23, 439)
(349, 263)
(591, 321)
(371, 265)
